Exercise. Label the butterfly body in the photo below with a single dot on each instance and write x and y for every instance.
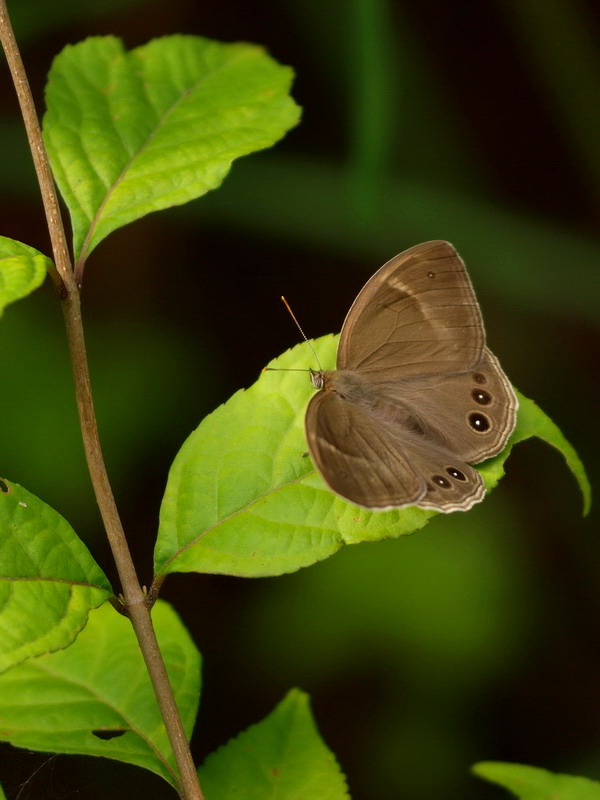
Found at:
(385, 404)
(417, 397)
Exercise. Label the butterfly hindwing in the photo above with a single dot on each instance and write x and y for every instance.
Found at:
(360, 461)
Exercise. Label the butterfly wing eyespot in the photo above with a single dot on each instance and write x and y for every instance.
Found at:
(481, 397)
(456, 474)
(479, 422)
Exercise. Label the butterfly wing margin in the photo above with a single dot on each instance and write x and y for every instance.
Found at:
(417, 315)
(452, 484)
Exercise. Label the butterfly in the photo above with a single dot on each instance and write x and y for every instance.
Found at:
(417, 397)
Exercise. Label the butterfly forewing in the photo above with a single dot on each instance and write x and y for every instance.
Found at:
(416, 316)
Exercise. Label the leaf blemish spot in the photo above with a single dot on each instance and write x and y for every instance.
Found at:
(4, 487)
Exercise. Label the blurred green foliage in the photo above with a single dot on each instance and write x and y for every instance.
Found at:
(475, 639)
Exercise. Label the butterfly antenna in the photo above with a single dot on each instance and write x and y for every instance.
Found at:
(293, 316)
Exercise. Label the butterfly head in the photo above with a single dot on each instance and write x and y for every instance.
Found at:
(317, 378)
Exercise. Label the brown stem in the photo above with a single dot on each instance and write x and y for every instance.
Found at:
(61, 274)
(63, 277)
(135, 599)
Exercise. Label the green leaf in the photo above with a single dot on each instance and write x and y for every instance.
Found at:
(533, 783)
(133, 132)
(48, 579)
(95, 697)
(243, 498)
(22, 269)
(281, 757)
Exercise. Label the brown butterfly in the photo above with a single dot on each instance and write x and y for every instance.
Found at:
(417, 397)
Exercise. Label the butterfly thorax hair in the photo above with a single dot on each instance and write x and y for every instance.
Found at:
(347, 384)
(386, 401)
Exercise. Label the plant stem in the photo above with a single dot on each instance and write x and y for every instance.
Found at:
(135, 598)
(64, 280)
(60, 272)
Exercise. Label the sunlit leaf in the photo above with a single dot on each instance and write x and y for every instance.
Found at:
(533, 783)
(22, 269)
(48, 579)
(95, 697)
(133, 132)
(281, 757)
(243, 498)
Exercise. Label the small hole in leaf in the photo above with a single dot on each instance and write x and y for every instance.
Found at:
(106, 735)
(4, 487)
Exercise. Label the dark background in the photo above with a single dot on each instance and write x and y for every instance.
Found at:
(476, 638)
